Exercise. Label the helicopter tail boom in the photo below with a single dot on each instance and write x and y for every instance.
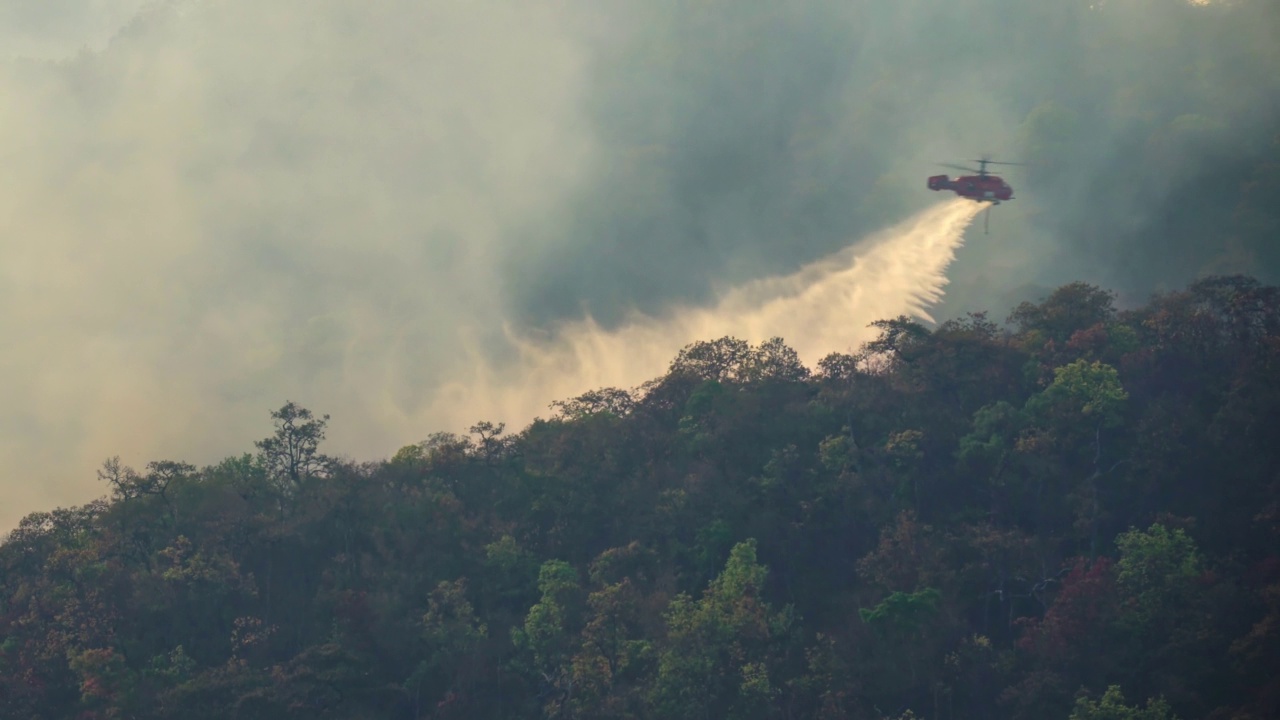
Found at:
(941, 182)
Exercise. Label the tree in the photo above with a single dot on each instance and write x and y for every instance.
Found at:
(1084, 399)
(1082, 392)
(718, 660)
(454, 637)
(127, 484)
(292, 454)
(900, 338)
(593, 565)
(615, 659)
(901, 622)
(1157, 570)
(1072, 307)
(1111, 707)
(612, 401)
(548, 635)
(107, 687)
(720, 360)
(1077, 637)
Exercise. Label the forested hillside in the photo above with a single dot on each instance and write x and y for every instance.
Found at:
(1074, 515)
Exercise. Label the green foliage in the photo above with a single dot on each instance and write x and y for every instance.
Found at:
(1111, 707)
(615, 660)
(1070, 309)
(1087, 391)
(837, 452)
(903, 448)
(547, 636)
(105, 680)
(898, 337)
(1158, 568)
(732, 360)
(995, 429)
(506, 554)
(903, 612)
(698, 548)
(718, 360)
(717, 660)
(450, 621)
(173, 667)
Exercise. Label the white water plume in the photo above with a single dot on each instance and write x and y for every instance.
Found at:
(822, 308)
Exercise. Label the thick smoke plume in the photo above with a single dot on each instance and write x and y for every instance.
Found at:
(208, 207)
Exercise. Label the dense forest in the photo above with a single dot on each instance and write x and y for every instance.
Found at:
(1072, 514)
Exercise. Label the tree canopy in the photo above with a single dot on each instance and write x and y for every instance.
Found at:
(1073, 515)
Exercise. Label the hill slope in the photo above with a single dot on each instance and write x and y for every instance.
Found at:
(965, 522)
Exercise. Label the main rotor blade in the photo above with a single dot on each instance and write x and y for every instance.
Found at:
(959, 167)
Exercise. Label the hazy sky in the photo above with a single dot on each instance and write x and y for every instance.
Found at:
(54, 29)
(208, 207)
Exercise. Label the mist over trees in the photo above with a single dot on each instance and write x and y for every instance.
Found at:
(1070, 516)
(369, 197)
(1068, 513)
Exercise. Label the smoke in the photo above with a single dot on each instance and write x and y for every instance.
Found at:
(53, 29)
(208, 207)
(238, 203)
(824, 307)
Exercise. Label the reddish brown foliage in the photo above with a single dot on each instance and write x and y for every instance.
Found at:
(1080, 611)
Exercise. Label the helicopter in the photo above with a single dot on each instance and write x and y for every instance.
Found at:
(982, 187)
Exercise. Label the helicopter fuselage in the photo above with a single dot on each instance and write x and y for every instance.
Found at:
(982, 188)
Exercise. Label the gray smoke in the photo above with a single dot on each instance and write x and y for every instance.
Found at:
(211, 206)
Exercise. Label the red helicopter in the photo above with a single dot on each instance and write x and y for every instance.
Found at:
(983, 187)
